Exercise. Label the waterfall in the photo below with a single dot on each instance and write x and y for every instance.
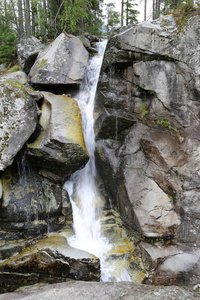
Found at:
(81, 186)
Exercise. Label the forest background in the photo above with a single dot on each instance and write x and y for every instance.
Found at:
(46, 19)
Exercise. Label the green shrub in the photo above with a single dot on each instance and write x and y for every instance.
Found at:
(143, 110)
(164, 123)
(15, 69)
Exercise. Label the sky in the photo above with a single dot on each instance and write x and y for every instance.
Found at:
(140, 7)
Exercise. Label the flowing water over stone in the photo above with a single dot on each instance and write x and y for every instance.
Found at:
(85, 199)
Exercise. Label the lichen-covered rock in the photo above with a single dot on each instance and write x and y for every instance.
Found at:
(18, 118)
(18, 76)
(60, 148)
(19, 79)
(31, 204)
(61, 63)
(27, 52)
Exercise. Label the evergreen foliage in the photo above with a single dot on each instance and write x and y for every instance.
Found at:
(8, 36)
(131, 12)
(113, 17)
(176, 7)
(45, 19)
(7, 44)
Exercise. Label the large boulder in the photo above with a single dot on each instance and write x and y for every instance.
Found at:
(63, 62)
(60, 148)
(135, 179)
(170, 264)
(160, 39)
(27, 52)
(49, 260)
(179, 268)
(18, 120)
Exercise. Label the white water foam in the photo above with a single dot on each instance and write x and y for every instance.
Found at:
(81, 186)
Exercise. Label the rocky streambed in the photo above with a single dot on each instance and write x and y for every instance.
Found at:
(147, 157)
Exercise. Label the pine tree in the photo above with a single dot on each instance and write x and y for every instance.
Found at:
(113, 17)
(8, 35)
(131, 14)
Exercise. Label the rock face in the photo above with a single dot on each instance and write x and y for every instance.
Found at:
(102, 290)
(31, 204)
(18, 120)
(27, 52)
(60, 148)
(61, 63)
(150, 77)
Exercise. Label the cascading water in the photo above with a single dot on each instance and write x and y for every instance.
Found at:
(81, 186)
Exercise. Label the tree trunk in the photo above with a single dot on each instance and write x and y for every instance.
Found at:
(145, 10)
(20, 20)
(80, 26)
(27, 18)
(122, 13)
(127, 7)
(33, 17)
(45, 10)
(154, 10)
(157, 9)
(50, 14)
(4, 20)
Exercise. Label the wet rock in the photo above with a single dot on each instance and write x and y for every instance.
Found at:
(1, 190)
(60, 148)
(27, 52)
(18, 121)
(92, 50)
(124, 263)
(11, 281)
(113, 126)
(53, 260)
(31, 204)
(61, 63)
